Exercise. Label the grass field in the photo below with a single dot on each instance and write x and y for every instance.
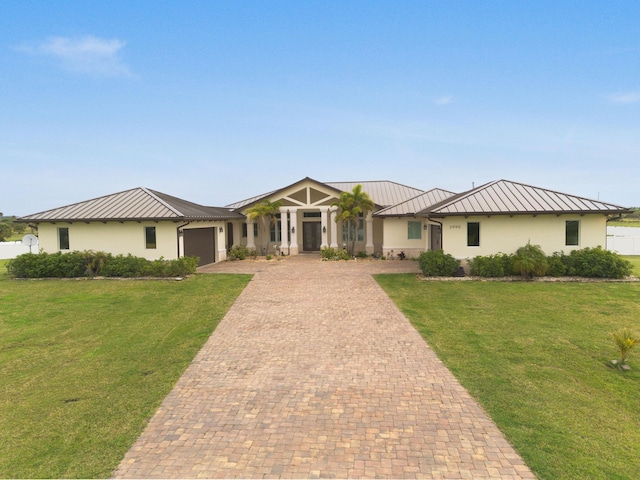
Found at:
(84, 364)
(635, 261)
(535, 356)
(624, 223)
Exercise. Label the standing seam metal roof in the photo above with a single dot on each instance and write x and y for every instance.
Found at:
(415, 204)
(135, 204)
(506, 197)
(384, 193)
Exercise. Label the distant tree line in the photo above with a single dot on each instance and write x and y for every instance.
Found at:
(9, 227)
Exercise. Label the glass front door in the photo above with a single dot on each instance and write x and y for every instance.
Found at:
(311, 236)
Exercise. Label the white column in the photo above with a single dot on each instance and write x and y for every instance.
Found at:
(294, 249)
(251, 243)
(221, 254)
(237, 234)
(334, 227)
(181, 242)
(323, 221)
(284, 233)
(368, 231)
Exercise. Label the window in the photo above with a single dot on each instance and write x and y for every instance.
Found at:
(150, 237)
(244, 230)
(348, 230)
(572, 236)
(63, 238)
(415, 230)
(473, 234)
(275, 234)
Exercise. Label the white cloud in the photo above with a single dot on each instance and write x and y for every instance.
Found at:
(625, 98)
(88, 55)
(443, 100)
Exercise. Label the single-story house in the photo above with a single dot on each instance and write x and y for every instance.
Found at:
(499, 216)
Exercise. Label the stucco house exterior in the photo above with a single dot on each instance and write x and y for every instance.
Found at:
(497, 217)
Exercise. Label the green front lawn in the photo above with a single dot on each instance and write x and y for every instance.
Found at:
(84, 364)
(635, 261)
(535, 356)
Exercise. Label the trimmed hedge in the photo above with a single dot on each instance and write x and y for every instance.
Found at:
(588, 262)
(88, 264)
(436, 263)
(497, 265)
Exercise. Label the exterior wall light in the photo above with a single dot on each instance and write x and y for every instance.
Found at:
(324, 229)
(293, 229)
(221, 230)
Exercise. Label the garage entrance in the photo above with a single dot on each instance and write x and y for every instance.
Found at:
(200, 242)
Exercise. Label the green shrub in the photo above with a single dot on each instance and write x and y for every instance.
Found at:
(48, 265)
(361, 255)
(557, 267)
(530, 261)
(23, 266)
(597, 263)
(178, 267)
(89, 263)
(329, 253)
(436, 263)
(238, 252)
(125, 266)
(497, 265)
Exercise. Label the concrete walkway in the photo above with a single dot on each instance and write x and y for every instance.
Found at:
(314, 373)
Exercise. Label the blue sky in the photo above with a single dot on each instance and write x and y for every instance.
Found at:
(219, 101)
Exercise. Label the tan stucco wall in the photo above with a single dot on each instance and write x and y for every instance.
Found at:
(112, 237)
(378, 234)
(505, 234)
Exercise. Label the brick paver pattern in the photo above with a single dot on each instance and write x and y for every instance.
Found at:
(314, 373)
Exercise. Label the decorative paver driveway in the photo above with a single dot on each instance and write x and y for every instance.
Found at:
(314, 373)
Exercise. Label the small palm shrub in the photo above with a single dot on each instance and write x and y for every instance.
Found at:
(530, 261)
(625, 341)
(436, 263)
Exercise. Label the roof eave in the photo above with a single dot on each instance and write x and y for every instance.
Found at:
(540, 212)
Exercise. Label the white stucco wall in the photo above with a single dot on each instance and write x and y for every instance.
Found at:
(396, 237)
(112, 237)
(505, 234)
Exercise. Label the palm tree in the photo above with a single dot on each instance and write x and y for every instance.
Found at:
(266, 212)
(350, 206)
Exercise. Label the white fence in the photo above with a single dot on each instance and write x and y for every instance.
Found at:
(624, 240)
(13, 249)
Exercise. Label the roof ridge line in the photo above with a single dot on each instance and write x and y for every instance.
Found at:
(166, 204)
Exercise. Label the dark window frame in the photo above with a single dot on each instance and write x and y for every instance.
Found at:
(150, 238)
(63, 238)
(572, 233)
(473, 234)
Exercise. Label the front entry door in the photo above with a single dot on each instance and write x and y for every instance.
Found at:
(436, 237)
(311, 236)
